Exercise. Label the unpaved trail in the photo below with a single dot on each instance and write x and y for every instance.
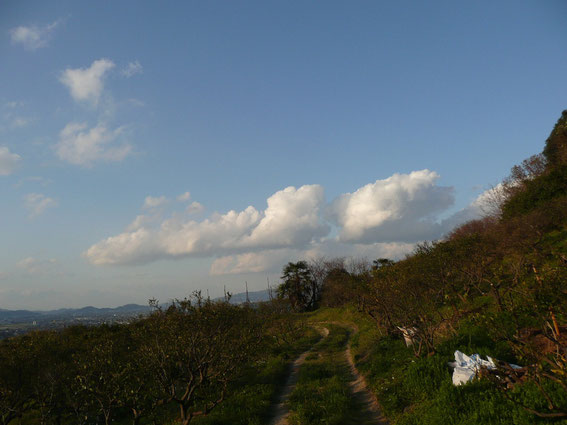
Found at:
(367, 407)
(366, 401)
(281, 412)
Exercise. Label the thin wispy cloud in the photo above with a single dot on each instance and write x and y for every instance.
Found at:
(33, 37)
(8, 161)
(38, 203)
(132, 69)
(35, 266)
(154, 202)
(184, 197)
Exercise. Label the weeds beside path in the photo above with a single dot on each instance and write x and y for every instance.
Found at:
(281, 410)
(329, 389)
(362, 395)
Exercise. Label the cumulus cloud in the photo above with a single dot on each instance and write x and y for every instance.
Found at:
(86, 84)
(381, 219)
(33, 37)
(400, 208)
(291, 219)
(154, 202)
(132, 69)
(80, 145)
(8, 161)
(37, 203)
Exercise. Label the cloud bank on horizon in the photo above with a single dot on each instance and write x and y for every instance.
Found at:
(388, 216)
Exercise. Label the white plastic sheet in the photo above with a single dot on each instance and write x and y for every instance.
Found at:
(466, 367)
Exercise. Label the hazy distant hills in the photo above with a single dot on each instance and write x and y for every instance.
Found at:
(17, 316)
(29, 316)
(253, 297)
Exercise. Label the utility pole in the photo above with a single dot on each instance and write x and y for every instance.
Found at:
(247, 299)
(269, 289)
(225, 300)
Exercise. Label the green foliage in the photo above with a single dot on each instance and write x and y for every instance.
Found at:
(322, 395)
(555, 149)
(299, 286)
(537, 193)
(183, 361)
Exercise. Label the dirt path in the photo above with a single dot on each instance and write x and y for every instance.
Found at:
(281, 412)
(363, 397)
(367, 405)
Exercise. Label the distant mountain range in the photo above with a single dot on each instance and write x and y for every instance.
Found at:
(18, 316)
(30, 316)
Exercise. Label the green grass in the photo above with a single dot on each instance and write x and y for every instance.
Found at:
(321, 395)
(251, 400)
(415, 391)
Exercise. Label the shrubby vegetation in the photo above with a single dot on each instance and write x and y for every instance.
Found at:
(496, 286)
(180, 362)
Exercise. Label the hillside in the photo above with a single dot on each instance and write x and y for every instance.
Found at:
(345, 342)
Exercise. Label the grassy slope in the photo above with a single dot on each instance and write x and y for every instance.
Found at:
(419, 391)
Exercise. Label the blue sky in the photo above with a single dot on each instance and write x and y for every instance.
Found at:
(299, 129)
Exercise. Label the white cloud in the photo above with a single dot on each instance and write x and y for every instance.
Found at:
(8, 161)
(272, 261)
(19, 122)
(401, 208)
(35, 266)
(139, 222)
(132, 69)
(184, 197)
(13, 104)
(154, 202)
(253, 262)
(380, 219)
(37, 203)
(86, 84)
(82, 146)
(290, 220)
(33, 37)
(486, 204)
(194, 208)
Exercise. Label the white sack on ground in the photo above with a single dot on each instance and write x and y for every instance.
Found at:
(467, 367)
